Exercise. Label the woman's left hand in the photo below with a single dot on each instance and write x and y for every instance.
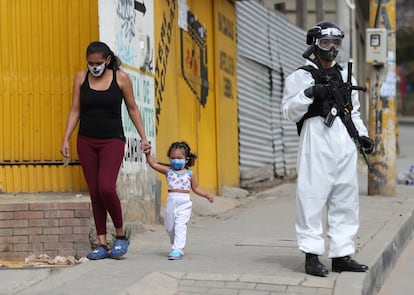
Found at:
(145, 145)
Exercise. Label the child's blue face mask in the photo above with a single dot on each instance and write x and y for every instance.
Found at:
(177, 164)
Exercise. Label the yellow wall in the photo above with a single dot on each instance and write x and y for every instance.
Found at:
(42, 45)
(189, 89)
(226, 93)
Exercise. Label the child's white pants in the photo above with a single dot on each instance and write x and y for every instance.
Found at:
(177, 215)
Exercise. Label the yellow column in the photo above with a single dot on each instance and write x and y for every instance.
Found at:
(382, 112)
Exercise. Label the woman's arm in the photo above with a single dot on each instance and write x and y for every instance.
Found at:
(126, 87)
(74, 113)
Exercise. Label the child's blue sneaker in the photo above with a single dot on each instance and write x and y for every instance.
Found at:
(119, 248)
(175, 255)
(98, 253)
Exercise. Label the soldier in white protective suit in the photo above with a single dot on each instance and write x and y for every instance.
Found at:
(327, 157)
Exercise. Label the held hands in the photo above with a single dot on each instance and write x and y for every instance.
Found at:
(318, 91)
(367, 144)
(147, 151)
(145, 146)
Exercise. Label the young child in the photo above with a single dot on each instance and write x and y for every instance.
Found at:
(180, 179)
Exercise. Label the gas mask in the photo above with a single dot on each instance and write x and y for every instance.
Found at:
(327, 38)
(327, 48)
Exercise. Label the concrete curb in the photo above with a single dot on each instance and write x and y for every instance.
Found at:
(381, 254)
(170, 283)
(221, 205)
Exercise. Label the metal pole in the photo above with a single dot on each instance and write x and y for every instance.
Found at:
(382, 107)
(319, 10)
(345, 20)
(301, 14)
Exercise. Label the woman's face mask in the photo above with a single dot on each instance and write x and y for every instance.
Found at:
(177, 164)
(97, 71)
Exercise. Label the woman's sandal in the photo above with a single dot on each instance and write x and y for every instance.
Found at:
(98, 253)
(119, 248)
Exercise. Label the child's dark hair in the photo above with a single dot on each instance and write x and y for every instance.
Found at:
(102, 48)
(191, 157)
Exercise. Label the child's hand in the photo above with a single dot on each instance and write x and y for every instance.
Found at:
(210, 198)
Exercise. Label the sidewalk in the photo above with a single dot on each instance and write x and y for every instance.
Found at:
(247, 250)
(237, 246)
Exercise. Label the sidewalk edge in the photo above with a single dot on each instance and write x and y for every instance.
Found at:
(381, 254)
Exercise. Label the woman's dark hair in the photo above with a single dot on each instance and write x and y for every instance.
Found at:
(102, 48)
(191, 157)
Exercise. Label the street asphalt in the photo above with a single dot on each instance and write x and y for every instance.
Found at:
(240, 246)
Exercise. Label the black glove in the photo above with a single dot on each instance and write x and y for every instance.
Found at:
(318, 91)
(367, 144)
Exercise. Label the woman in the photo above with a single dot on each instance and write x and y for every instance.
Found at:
(96, 103)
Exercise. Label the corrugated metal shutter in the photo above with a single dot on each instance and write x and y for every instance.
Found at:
(269, 49)
(254, 91)
(42, 45)
(277, 122)
(252, 30)
(255, 136)
(287, 42)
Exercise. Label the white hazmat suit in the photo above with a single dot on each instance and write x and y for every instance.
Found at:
(327, 172)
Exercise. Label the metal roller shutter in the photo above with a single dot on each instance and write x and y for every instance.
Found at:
(269, 49)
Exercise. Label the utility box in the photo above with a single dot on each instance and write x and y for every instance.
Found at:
(376, 46)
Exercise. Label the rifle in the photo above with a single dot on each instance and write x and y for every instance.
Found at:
(339, 108)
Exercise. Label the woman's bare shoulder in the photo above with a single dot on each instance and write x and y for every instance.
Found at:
(122, 75)
(80, 75)
(122, 79)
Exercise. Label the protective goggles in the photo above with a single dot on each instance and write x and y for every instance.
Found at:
(327, 43)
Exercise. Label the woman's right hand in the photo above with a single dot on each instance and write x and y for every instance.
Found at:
(65, 149)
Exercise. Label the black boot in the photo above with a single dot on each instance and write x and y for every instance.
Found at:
(345, 263)
(314, 267)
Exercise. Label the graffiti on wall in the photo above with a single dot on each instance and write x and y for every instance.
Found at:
(126, 12)
(194, 57)
(163, 49)
(381, 16)
(143, 91)
(378, 177)
(129, 29)
(135, 46)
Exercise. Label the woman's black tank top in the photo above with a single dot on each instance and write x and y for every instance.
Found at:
(100, 111)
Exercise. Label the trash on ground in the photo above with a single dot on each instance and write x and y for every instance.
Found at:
(42, 260)
(406, 177)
